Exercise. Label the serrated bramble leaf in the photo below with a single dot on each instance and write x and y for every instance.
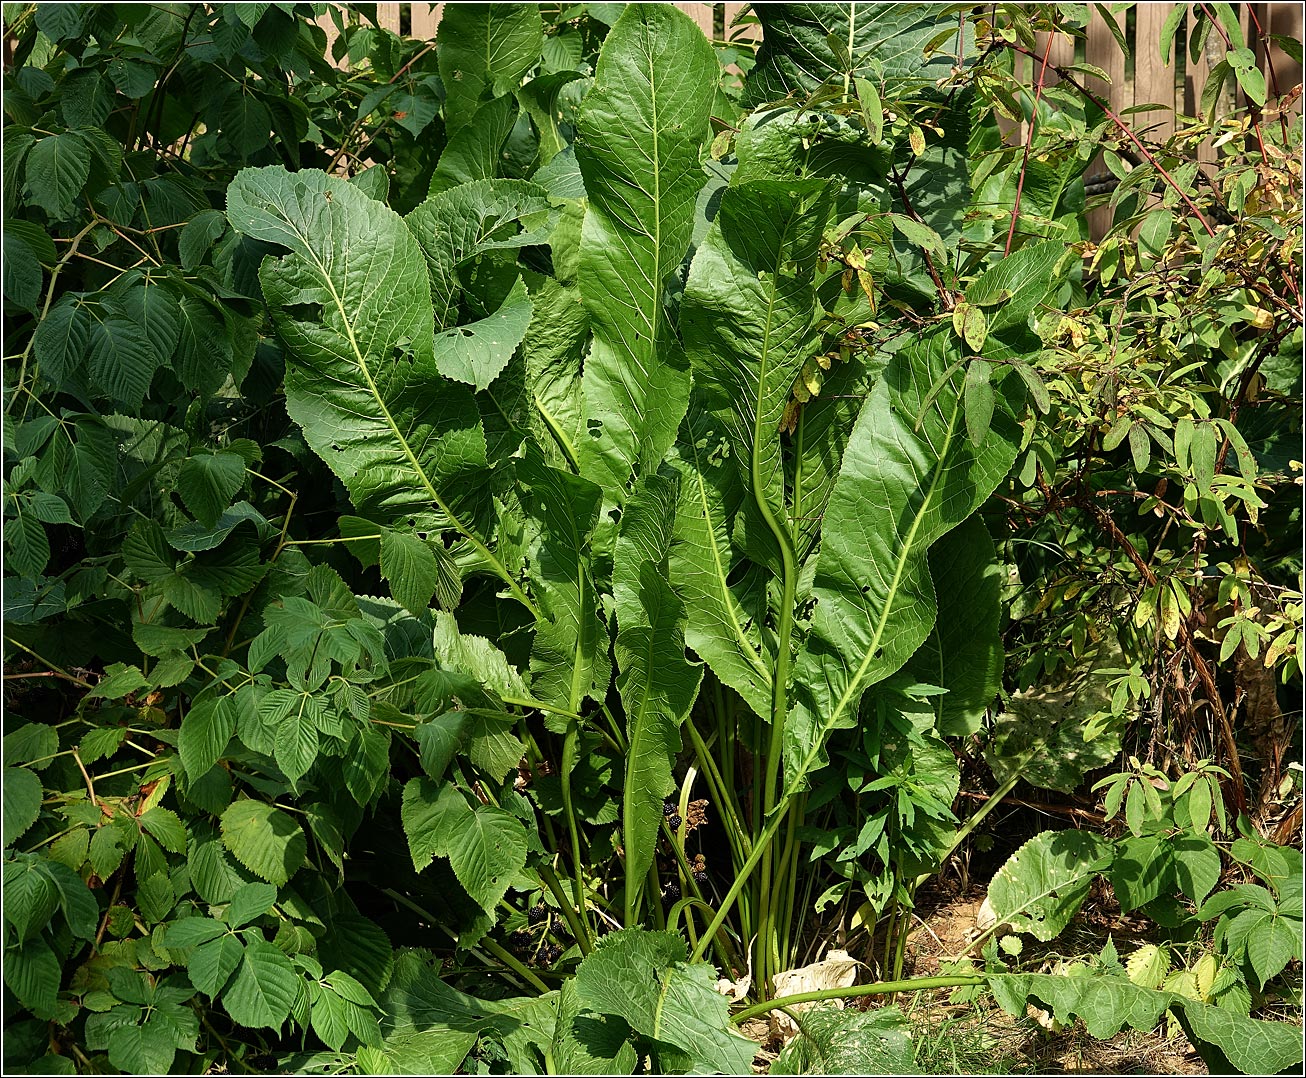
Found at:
(207, 482)
(409, 566)
(122, 359)
(166, 828)
(264, 839)
(250, 902)
(486, 846)
(57, 169)
(206, 730)
(30, 897)
(22, 802)
(264, 988)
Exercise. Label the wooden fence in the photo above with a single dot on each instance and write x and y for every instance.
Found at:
(1138, 79)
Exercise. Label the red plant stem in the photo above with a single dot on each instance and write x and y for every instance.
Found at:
(1029, 141)
(1128, 133)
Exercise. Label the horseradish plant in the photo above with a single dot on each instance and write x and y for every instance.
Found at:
(661, 408)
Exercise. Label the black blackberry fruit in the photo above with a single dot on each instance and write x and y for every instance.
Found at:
(671, 892)
(700, 876)
(668, 808)
(537, 913)
(675, 821)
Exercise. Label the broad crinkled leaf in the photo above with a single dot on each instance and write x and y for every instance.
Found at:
(724, 613)
(658, 686)
(483, 51)
(1054, 735)
(1043, 884)
(901, 487)
(352, 301)
(1108, 1004)
(569, 660)
(554, 344)
(749, 317)
(644, 978)
(476, 352)
(430, 1026)
(639, 134)
(885, 42)
(460, 224)
(963, 653)
(849, 1041)
(588, 1043)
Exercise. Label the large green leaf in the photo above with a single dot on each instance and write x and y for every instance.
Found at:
(725, 613)
(264, 839)
(261, 993)
(1053, 735)
(458, 225)
(1110, 1003)
(1043, 884)
(569, 660)
(586, 1043)
(750, 320)
(430, 1026)
(645, 979)
(352, 301)
(486, 846)
(57, 168)
(849, 1041)
(658, 687)
(22, 802)
(483, 51)
(963, 653)
(909, 475)
(639, 134)
(885, 43)
(554, 344)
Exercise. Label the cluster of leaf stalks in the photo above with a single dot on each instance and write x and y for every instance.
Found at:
(586, 495)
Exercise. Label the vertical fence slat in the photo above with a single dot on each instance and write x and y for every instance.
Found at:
(387, 17)
(1154, 82)
(1286, 21)
(1062, 54)
(425, 18)
(1101, 50)
(748, 32)
(328, 24)
(702, 15)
